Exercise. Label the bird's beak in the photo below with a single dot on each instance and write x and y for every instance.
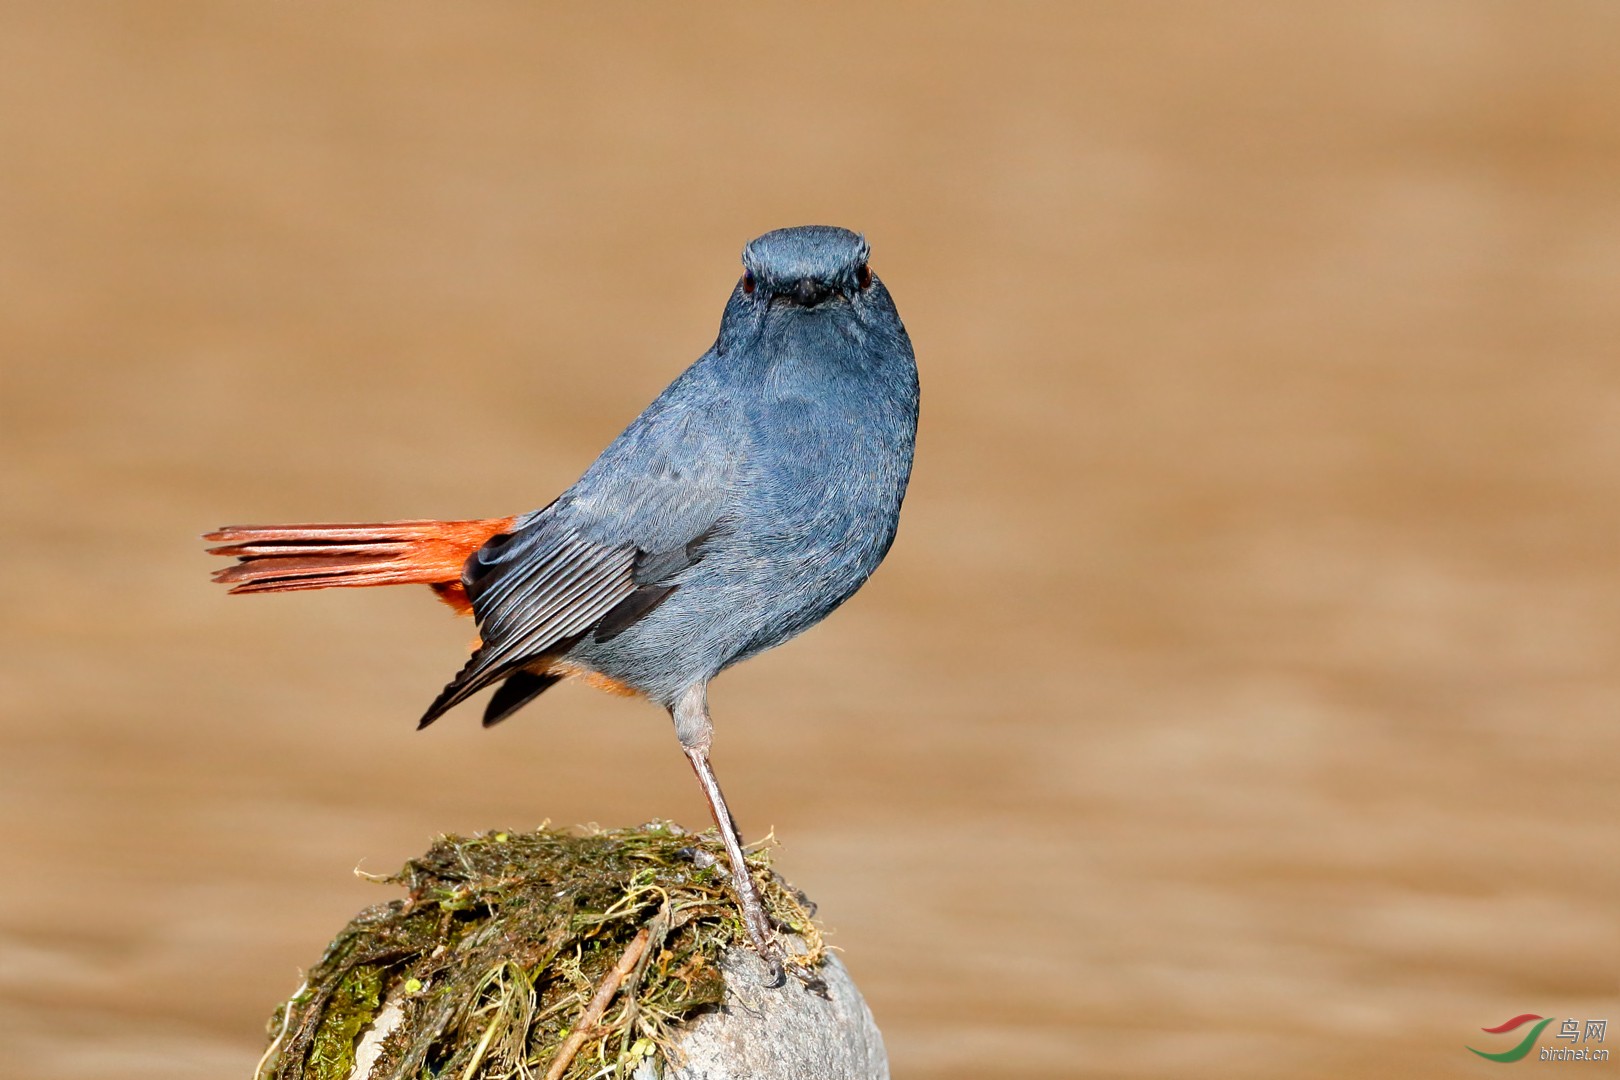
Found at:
(808, 292)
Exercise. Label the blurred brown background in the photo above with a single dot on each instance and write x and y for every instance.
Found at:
(1239, 700)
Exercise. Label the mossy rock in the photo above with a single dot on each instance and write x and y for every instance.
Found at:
(608, 953)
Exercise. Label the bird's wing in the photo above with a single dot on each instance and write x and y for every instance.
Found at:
(603, 554)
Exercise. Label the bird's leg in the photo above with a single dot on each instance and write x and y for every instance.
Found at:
(695, 730)
(748, 899)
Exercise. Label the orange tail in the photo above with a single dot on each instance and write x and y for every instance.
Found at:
(286, 558)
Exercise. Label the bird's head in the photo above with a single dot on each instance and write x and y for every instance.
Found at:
(806, 267)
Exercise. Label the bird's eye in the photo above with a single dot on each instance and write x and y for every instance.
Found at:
(863, 276)
(748, 282)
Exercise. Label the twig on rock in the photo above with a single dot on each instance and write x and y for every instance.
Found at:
(599, 1003)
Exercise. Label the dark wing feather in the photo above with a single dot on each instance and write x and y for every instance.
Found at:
(535, 594)
(652, 572)
(520, 688)
(632, 608)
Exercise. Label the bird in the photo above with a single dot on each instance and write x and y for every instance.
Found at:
(754, 495)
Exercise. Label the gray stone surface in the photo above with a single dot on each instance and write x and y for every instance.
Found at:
(781, 1033)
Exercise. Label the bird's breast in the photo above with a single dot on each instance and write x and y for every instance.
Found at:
(829, 469)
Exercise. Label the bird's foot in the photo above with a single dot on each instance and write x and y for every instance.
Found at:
(758, 925)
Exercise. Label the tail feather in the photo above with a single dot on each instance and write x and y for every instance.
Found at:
(290, 558)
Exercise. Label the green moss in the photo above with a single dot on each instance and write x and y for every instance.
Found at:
(352, 1006)
(487, 964)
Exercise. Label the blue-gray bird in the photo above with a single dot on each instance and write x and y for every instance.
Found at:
(754, 496)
